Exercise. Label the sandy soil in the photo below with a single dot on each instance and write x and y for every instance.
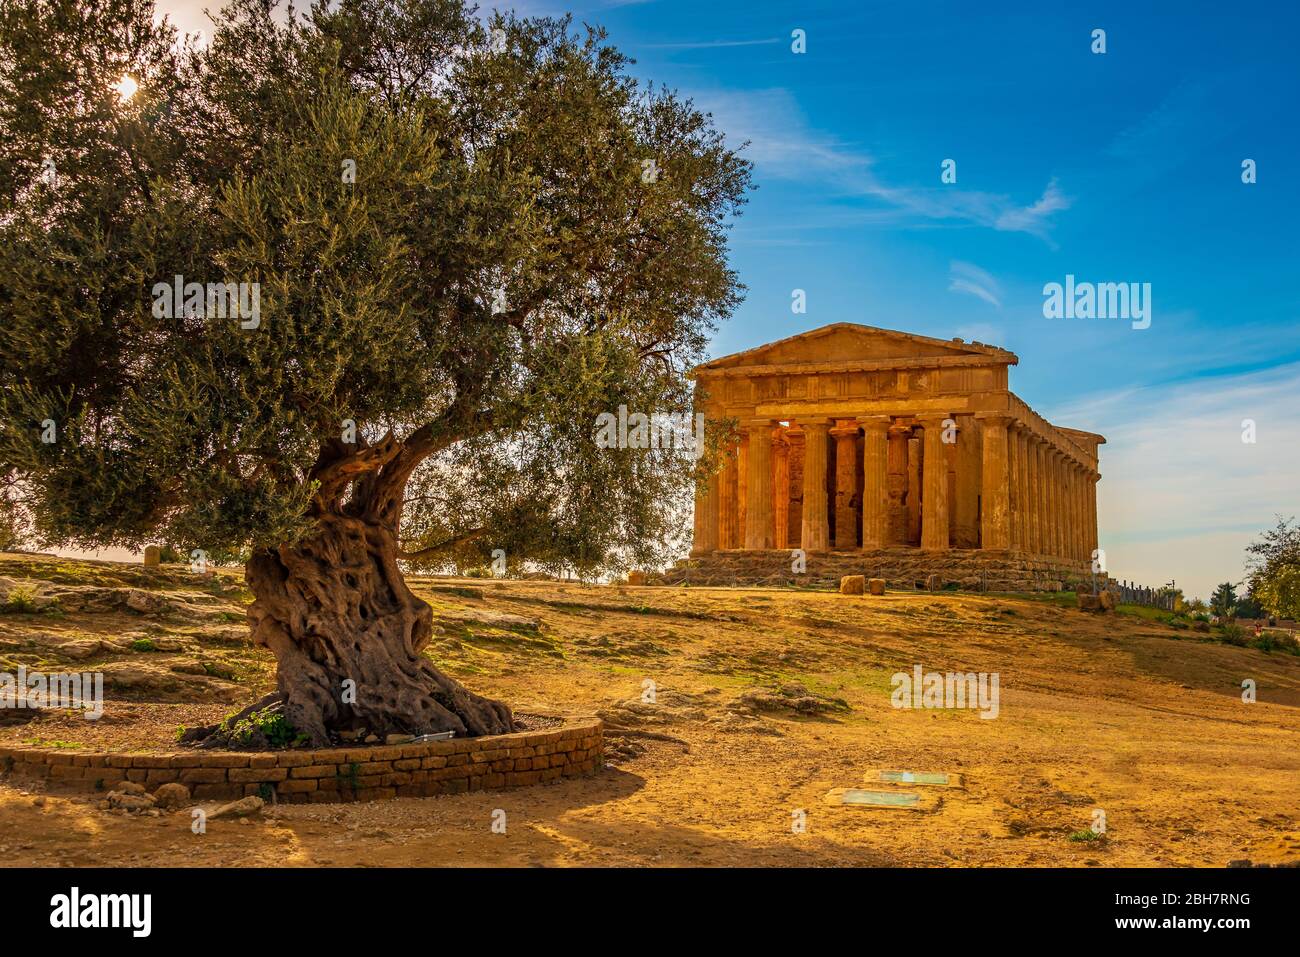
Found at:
(1118, 713)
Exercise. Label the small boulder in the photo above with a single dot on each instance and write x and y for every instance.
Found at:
(853, 584)
(876, 586)
(636, 577)
(399, 739)
(1107, 599)
(241, 808)
(1089, 602)
(152, 555)
(933, 583)
(123, 800)
(171, 796)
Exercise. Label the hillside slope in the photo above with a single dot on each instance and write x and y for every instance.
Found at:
(729, 710)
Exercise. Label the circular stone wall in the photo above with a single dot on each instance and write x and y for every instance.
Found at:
(336, 774)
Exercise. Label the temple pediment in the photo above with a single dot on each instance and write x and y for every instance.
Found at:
(849, 345)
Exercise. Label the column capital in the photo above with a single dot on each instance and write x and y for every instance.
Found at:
(752, 425)
(996, 418)
(843, 428)
(934, 418)
(812, 423)
(876, 423)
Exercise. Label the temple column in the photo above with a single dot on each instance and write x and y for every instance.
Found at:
(995, 525)
(780, 489)
(758, 487)
(1055, 538)
(728, 528)
(794, 532)
(1080, 514)
(1094, 539)
(915, 457)
(1040, 497)
(1013, 484)
(742, 490)
(705, 539)
(816, 526)
(966, 528)
(875, 481)
(1076, 519)
(1020, 484)
(846, 483)
(1026, 488)
(934, 479)
(897, 485)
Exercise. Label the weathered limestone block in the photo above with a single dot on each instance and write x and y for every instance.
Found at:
(152, 555)
(1089, 602)
(852, 584)
(876, 586)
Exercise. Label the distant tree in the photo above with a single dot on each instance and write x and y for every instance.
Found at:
(1273, 566)
(1249, 607)
(1224, 600)
(465, 241)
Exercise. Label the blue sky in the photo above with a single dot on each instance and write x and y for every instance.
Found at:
(1115, 167)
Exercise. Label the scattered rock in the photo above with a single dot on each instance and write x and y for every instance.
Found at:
(1107, 599)
(1089, 602)
(152, 555)
(933, 583)
(636, 577)
(131, 801)
(241, 808)
(853, 584)
(399, 739)
(789, 697)
(172, 796)
(876, 586)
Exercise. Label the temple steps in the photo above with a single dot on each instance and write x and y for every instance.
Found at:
(966, 569)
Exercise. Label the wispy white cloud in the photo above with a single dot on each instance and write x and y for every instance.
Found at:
(969, 279)
(783, 144)
(1034, 218)
(1181, 493)
(712, 44)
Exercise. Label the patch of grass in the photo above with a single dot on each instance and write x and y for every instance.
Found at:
(20, 601)
(51, 743)
(143, 644)
(259, 726)
(1080, 837)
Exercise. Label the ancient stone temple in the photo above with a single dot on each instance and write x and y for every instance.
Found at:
(893, 455)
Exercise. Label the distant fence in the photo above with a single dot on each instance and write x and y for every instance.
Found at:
(1131, 594)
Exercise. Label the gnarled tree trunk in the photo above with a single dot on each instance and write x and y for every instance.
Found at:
(347, 634)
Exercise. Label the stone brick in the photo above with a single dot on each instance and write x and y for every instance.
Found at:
(218, 792)
(202, 775)
(296, 786)
(314, 771)
(256, 775)
(152, 761)
(225, 760)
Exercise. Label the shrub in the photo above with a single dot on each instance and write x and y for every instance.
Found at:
(1234, 634)
(20, 601)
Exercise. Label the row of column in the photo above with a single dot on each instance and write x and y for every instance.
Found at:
(1030, 495)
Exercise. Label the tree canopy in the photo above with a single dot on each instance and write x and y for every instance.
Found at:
(466, 241)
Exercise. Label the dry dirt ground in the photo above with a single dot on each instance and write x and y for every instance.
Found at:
(729, 711)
